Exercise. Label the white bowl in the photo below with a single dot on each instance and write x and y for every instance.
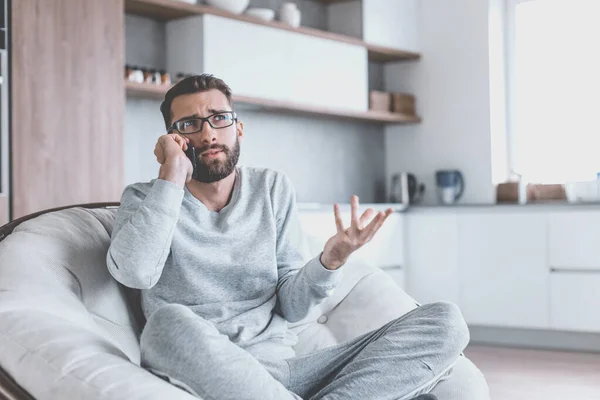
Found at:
(233, 6)
(265, 14)
(583, 191)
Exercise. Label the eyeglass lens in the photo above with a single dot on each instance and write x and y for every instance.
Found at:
(217, 121)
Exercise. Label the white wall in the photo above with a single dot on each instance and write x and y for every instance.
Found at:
(391, 23)
(451, 82)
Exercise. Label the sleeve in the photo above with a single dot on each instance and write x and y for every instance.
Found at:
(301, 285)
(142, 233)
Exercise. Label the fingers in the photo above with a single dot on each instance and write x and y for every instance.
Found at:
(181, 141)
(338, 218)
(354, 211)
(160, 157)
(377, 222)
(365, 217)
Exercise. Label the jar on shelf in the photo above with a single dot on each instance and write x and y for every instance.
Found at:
(137, 75)
(156, 77)
(147, 75)
(290, 14)
(165, 77)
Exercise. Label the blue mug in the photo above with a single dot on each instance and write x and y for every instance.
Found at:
(450, 185)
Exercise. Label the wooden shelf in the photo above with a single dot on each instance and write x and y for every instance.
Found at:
(331, 1)
(146, 90)
(165, 10)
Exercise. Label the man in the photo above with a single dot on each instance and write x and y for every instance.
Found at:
(216, 250)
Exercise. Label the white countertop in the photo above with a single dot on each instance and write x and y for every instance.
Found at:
(460, 207)
(397, 207)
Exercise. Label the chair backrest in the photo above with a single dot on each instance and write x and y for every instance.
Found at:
(7, 229)
(60, 256)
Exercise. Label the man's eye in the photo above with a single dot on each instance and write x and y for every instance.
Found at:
(220, 117)
(187, 124)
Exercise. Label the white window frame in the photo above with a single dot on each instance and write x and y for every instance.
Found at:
(510, 40)
(510, 85)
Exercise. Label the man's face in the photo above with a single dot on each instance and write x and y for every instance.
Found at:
(217, 149)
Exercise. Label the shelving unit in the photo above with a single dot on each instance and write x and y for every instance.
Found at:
(165, 10)
(147, 90)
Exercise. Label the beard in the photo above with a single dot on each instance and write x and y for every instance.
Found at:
(213, 170)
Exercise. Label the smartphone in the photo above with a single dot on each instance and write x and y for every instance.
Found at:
(191, 154)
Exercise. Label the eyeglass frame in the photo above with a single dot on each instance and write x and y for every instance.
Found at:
(234, 119)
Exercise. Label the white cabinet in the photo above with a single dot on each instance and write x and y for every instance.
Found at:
(432, 257)
(504, 278)
(381, 22)
(574, 238)
(385, 250)
(260, 61)
(575, 301)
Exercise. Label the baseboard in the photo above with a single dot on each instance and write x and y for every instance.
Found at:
(535, 339)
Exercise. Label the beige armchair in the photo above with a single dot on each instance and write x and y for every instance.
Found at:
(68, 330)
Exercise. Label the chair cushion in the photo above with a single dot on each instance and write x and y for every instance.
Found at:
(61, 257)
(66, 330)
(354, 309)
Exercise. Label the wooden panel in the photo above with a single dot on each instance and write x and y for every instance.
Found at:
(146, 90)
(332, 1)
(165, 10)
(3, 210)
(67, 102)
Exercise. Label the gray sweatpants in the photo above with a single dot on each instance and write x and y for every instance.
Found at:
(398, 361)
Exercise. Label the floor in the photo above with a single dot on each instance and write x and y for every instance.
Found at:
(519, 374)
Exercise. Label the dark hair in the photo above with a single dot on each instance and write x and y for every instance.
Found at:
(193, 84)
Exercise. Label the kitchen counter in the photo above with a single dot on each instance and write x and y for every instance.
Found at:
(543, 205)
(397, 207)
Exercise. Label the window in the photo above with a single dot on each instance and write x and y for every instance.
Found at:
(553, 107)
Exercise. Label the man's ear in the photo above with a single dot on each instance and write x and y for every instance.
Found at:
(239, 126)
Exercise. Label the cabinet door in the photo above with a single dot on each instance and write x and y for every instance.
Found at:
(260, 61)
(385, 250)
(432, 257)
(575, 240)
(504, 276)
(575, 301)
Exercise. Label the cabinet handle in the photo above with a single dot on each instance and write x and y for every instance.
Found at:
(394, 267)
(575, 270)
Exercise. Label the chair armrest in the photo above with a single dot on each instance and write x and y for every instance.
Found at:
(10, 390)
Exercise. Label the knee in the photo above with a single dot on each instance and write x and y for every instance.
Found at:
(450, 323)
(170, 326)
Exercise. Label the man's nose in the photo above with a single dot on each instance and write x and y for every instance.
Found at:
(205, 136)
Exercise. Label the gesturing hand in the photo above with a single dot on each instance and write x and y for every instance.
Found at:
(339, 247)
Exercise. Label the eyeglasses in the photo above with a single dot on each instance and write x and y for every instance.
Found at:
(216, 121)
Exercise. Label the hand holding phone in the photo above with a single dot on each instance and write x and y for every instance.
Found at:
(174, 166)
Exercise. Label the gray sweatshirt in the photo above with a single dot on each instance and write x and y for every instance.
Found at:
(241, 268)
